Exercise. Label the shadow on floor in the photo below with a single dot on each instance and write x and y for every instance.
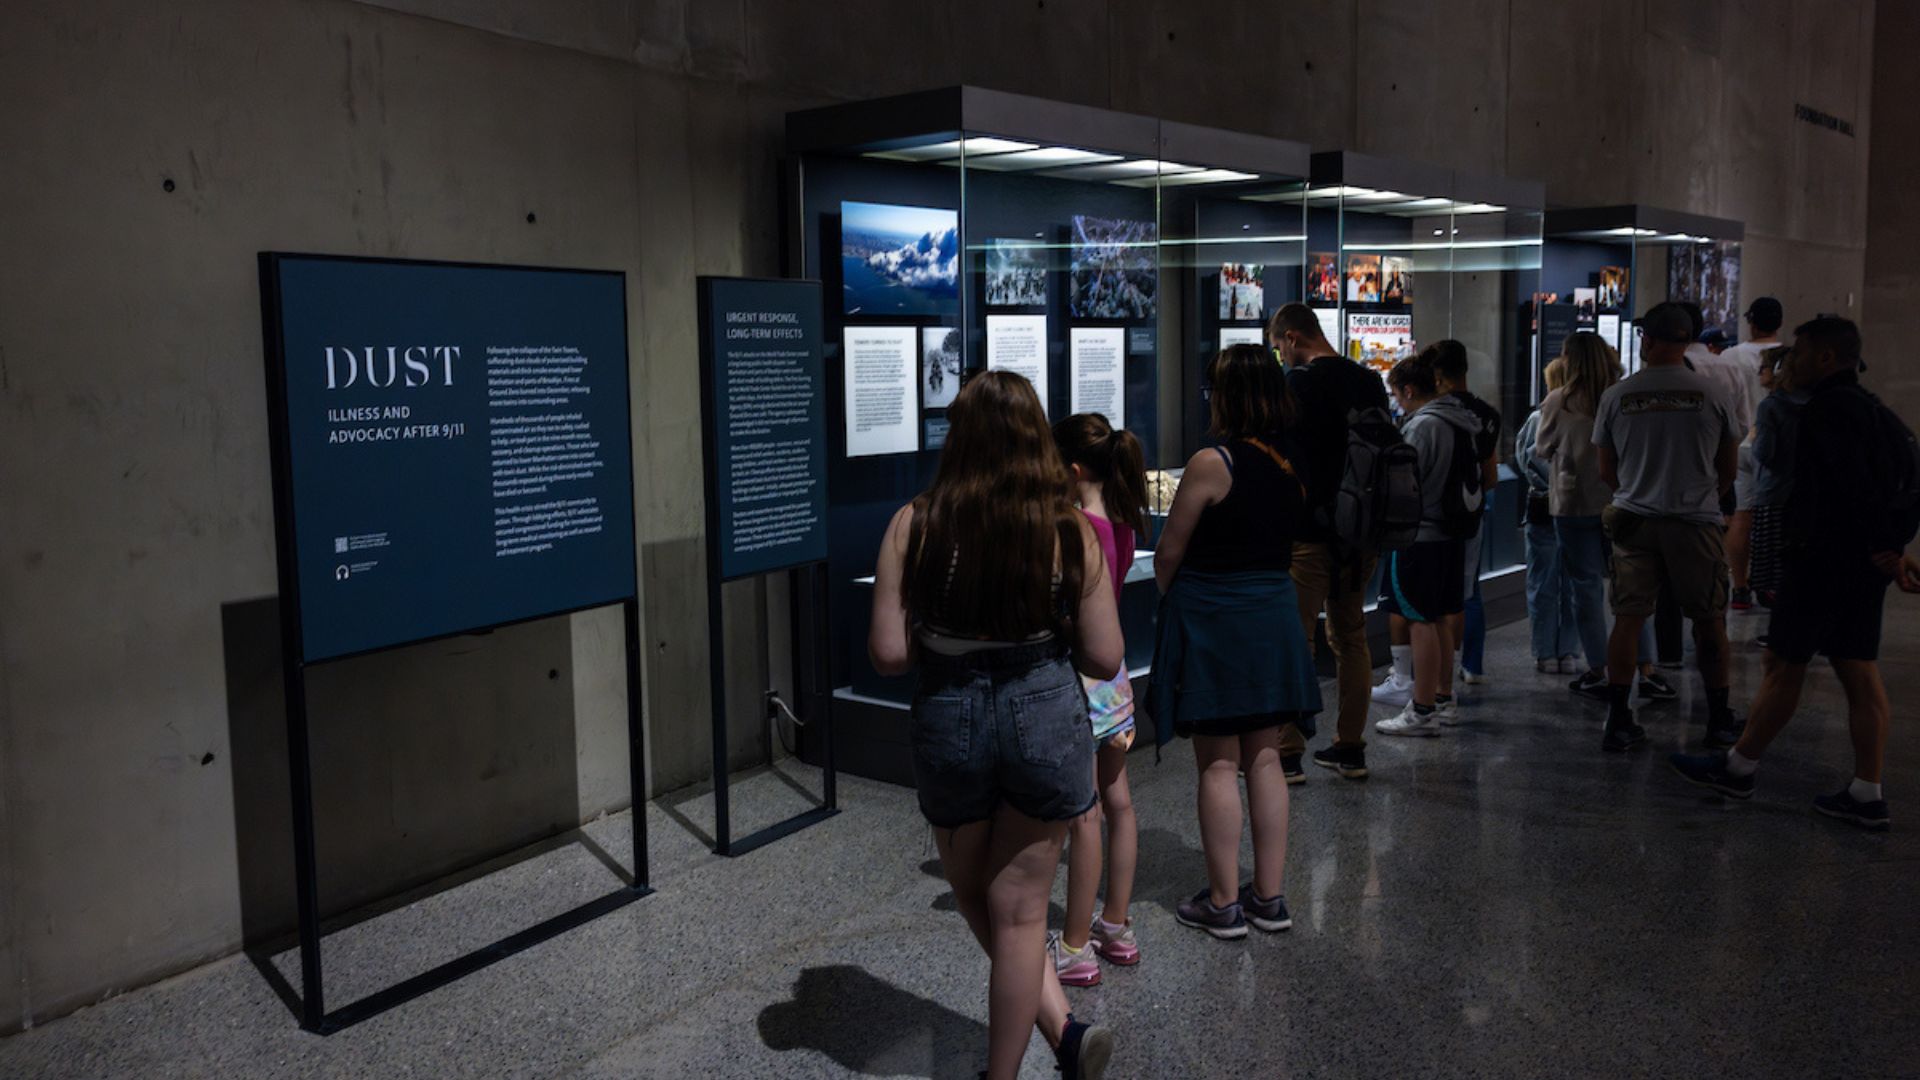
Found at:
(833, 1011)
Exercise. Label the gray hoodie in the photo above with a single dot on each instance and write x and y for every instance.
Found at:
(1431, 431)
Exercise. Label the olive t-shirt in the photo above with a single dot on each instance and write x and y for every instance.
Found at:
(1665, 425)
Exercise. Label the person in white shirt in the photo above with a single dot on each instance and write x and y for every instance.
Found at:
(1764, 318)
(1703, 357)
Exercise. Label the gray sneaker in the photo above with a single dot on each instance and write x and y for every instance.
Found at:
(1269, 915)
(1225, 923)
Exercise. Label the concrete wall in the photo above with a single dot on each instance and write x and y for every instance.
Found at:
(1892, 317)
(141, 817)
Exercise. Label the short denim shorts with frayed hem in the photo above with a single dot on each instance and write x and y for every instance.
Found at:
(1006, 724)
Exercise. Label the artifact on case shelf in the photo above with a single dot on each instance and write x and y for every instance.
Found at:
(1161, 485)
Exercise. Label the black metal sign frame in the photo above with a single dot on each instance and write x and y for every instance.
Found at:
(810, 627)
(312, 1011)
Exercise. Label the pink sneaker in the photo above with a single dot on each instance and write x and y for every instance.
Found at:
(1114, 942)
(1074, 968)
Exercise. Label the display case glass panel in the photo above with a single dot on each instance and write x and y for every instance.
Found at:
(1401, 255)
(1009, 233)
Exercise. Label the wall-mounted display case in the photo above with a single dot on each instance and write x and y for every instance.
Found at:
(1606, 266)
(963, 229)
(1402, 254)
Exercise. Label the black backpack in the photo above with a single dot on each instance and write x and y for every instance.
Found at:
(1377, 506)
(1463, 501)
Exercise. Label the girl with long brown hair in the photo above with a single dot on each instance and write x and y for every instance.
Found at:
(1110, 475)
(993, 584)
(1231, 662)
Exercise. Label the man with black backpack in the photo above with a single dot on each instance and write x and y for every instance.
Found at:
(1337, 398)
(1855, 507)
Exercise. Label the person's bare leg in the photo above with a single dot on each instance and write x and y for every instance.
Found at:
(1399, 630)
(1428, 659)
(963, 859)
(1773, 706)
(1450, 629)
(1623, 649)
(1219, 800)
(1123, 832)
(1740, 546)
(1083, 875)
(1023, 856)
(1868, 715)
(1266, 810)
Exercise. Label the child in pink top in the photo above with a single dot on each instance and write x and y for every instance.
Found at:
(1109, 469)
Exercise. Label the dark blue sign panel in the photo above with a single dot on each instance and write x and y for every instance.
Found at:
(763, 396)
(453, 445)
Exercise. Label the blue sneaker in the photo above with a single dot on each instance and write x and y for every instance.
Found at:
(1227, 923)
(1269, 915)
(1867, 815)
(1710, 771)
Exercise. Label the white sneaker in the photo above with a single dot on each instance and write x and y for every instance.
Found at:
(1392, 691)
(1448, 713)
(1468, 677)
(1410, 722)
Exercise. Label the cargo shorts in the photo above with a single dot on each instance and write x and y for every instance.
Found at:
(1690, 557)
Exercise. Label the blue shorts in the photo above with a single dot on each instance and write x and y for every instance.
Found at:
(1001, 724)
(1425, 582)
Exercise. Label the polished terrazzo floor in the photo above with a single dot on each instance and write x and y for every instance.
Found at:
(1504, 901)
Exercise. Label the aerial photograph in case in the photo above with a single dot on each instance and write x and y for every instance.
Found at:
(899, 260)
(1241, 294)
(1016, 274)
(1323, 277)
(1112, 268)
(1363, 279)
(1397, 272)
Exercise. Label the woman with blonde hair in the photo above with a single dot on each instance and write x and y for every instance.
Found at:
(993, 585)
(1549, 600)
(1575, 498)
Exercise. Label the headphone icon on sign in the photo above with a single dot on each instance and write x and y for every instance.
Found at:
(341, 573)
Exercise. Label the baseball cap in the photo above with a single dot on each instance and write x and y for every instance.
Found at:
(1713, 335)
(1765, 309)
(1667, 322)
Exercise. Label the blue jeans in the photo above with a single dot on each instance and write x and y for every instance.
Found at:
(1583, 565)
(1549, 600)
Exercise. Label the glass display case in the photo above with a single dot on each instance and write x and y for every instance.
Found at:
(1235, 243)
(1402, 254)
(965, 229)
(1606, 266)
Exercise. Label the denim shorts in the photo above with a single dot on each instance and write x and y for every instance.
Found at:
(1001, 724)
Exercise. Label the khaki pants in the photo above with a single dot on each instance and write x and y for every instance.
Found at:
(1313, 580)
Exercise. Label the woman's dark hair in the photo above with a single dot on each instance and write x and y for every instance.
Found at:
(1448, 358)
(1113, 459)
(1415, 372)
(1000, 516)
(1249, 398)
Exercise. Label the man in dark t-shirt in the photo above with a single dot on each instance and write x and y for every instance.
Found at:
(1327, 387)
(1846, 542)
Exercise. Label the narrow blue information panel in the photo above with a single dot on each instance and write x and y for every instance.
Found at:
(452, 445)
(763, 396)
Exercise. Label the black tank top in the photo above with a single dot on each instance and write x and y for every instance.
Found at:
(1254, 526)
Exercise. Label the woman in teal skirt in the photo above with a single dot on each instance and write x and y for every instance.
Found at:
(1231, 664)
